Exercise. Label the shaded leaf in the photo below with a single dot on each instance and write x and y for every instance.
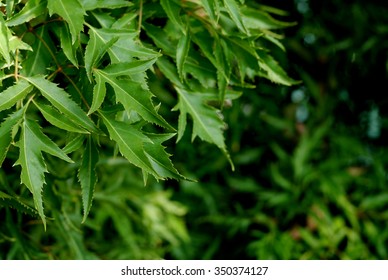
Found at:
(182, 52)
(273, 70)
(87, 175)
(173, 10)
(16, 203)
(38, 60)
(75, 143)
(6, 133)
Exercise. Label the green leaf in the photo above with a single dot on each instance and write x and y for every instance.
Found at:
(31, 144)
(182, 52)
(207, 123)
(16, 203)
(234, 11)
(31, 10)
(72, 12)
(87, 175)
(173, 10)
(212, 8)
(104, 4)
(60, 99)
(4, 40)
(129, 68)
(58, 119)
(39, 60)
(160, 38)
(96, 48)
(131, 143)
(13, 94)
(273, 70)
(158, 157)
(256, 19)
(68, 48)
(6, 133)
(142, 150)
(75, 143)
(99, 91)
(134, 97)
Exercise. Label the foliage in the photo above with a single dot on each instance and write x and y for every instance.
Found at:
(311, 160)
(78, 88)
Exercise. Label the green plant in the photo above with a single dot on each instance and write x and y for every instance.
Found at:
(80, 81)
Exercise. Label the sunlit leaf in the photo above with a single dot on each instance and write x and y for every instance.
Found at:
(13, 94)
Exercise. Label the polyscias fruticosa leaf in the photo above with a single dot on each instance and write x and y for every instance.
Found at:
(158, 157)
(87, 175)
(4, 40)
(234, 11)
(273, 70)
(60, 99)
(31, 10)
(72, 12)
(69, 49)
(116, 70)
(104, 4)
(38, 61)
(14, 202)
(57, 119)
(139, 149)
(182, 52)
(13, 94)
(207, 124)
(6, 133)
(31, 144)
(173, 10)
(133, 97)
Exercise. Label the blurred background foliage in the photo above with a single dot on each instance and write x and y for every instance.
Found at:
(311, 164)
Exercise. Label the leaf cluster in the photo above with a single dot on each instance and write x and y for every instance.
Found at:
(74, 84)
